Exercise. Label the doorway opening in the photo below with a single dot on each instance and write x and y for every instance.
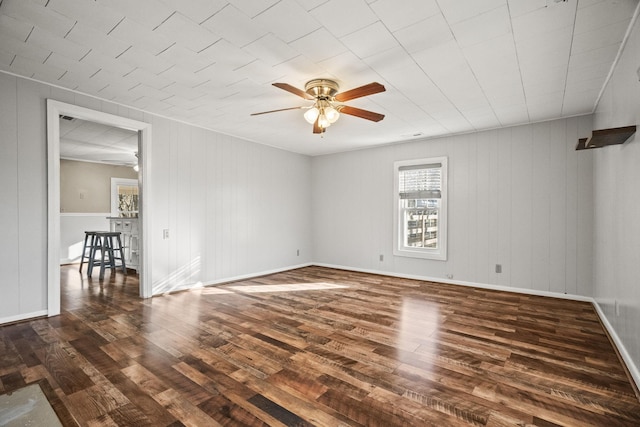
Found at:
(55, 110)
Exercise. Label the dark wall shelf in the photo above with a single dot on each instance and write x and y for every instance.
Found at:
(604, 137)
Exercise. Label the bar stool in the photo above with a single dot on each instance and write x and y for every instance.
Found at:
(109, 243)
(89, 245)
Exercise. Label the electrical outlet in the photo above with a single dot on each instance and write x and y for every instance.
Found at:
(298, 252)
(381, 257)
(498, 268)
(165, 233)
(617, 308)
(449, 276)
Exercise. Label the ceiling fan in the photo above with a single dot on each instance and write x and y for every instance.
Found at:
(326, 98)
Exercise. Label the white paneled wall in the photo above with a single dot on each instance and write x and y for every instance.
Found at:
(232, 208)
(519, 197)
(617, 207)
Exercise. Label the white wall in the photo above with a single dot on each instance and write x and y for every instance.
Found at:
(72, 228)
(519, 197)
(233, 208)
(617, 207)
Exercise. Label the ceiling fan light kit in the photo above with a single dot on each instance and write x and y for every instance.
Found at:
(325, 109)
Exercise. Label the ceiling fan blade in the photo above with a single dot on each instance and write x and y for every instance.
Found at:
(293, 90)
(363, 114)
(359, 92)
(275, 111)
(316, 126)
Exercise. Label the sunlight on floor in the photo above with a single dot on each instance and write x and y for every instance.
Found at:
(290, 287)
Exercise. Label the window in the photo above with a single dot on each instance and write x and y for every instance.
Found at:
(124, 197)
(420, 213)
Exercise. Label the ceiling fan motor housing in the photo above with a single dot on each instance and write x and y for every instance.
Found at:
(321, 88)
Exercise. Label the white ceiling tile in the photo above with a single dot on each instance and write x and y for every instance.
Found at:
(319, 45)
(149, 78)
(185, 58)
(271, 50)
(253, 7)
(185, 77)
(605, 54)
(141, 59)
(129, 31)
(183, 91)
(544, 20)
(112, 65)
(482, 117)
(149, 92)
(13, 27)
(186, 32)
(6, 59)
(411, 12)
(38, 16)
(425, 34)
(522, 7)
(257, 71)
(236, 26)
(590, 72)
(26, 50)
(343, 17)
(478, 29)
(310, 4)
(53, 43)
(346, 65)
(459, 10)
(29, 67)
(370, 40)
(148, 13)
(197, 10)
(89, 37)
(287, 20)
(298, 66)
(603, 14)
(81, 68)
(91, 13)
(604, 36)
(512, 114)
(225, 53)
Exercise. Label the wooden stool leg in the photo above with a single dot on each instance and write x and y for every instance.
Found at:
(104, 248)
(84, 251)
(124, 266)
(96, 241)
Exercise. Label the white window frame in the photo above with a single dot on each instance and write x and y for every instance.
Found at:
(399, 249)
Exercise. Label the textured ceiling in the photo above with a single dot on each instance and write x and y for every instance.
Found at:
(449, 66)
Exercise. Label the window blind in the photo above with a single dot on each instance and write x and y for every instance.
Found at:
(420, 181)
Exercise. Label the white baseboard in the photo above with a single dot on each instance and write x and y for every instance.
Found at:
(23, 316)
(631, 366)
(462, 283)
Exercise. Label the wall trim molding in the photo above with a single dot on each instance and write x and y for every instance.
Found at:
(462, 283)
(87, 214)
(617, 342)
(24, 316)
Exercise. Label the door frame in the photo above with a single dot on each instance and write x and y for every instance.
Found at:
(54, 110)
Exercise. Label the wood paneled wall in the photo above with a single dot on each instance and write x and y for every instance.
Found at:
(519, 197)
(233, 208)
(617, 207)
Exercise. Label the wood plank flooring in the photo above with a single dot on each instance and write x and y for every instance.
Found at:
(319, 347)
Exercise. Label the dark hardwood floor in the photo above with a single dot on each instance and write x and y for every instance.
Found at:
(323, 347)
